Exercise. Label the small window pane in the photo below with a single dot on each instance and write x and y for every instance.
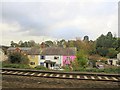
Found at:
(42, 63)
(42, 57)
(56, 57)
(32, 63)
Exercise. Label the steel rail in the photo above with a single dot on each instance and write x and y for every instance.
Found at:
(62, 75)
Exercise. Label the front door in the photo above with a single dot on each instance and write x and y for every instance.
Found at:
(47, 65)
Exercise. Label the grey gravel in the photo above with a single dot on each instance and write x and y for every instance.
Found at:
(13, 81)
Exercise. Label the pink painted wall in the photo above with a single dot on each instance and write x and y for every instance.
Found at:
(68, 59)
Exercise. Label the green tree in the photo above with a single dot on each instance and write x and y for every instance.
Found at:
(112, 53)
(86, 38)
(12, 44)
(118, 44)
(71, 43)
(49, 43)
(102, 51)
(82, 58)
(104, 44)
(18, 58)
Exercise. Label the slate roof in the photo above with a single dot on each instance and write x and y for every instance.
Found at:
(34, 51)
(21, 48)
(29, 51)
(58, 51)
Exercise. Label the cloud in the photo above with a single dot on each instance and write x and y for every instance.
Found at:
(57, 19)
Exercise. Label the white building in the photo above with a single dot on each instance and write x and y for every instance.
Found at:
(113, 62)
(118, 56)
(55, 56)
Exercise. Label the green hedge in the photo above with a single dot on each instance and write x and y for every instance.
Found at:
(108, 70)
(41, 68)
(15, 66)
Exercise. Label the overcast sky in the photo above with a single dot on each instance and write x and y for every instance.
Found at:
(56, 19)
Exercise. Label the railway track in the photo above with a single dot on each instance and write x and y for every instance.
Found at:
(61, 75)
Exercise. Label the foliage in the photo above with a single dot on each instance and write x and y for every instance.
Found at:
(102, 51)
(86, 38)
(82, 58)
(75, 65)
(8, 65)
(49, 43)
(18, 58)
(66, 68)
(118, 44)
(30, 43)
(107, 70)
(41, 68)
(107, 45)
(112, 53)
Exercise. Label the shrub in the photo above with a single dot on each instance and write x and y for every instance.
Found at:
(82, 58)
(18, 58)
(41, 68)
(66, 68)
(4, 65)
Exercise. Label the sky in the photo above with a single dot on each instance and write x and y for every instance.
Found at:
(41, 20)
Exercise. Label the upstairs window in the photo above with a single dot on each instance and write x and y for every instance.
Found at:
(42, 57)
(68, 58)
(56, 57)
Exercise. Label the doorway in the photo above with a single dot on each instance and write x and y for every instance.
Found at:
(47, 65)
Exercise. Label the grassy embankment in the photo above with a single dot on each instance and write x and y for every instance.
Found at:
(66, 69)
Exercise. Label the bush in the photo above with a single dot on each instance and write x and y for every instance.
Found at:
(82, 58)
(108, 70)
(18, 58)
(41, 68)
(112, 70)
(66, 68)
(4, 65)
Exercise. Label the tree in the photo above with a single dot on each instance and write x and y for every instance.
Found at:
(18, 58)
(32, 43)
(118, 44)
(104, 44)
(25, 44)
(71, 43)
(20, 43)
(82, 58)
(109, 35)
(49, 43)
(86, 38)
(112, 53)
(102, 51)
(61, 43)
(12, 44)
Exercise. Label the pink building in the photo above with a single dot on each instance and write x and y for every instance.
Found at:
(68, 59)
(57, 56)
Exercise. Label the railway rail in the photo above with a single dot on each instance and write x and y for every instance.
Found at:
(61, 75)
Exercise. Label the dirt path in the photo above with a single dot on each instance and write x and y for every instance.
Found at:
(10, 81)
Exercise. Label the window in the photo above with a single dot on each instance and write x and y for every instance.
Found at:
(42, 63)
(68, 58)
(42, 57)
(32, 63)
(56, 57)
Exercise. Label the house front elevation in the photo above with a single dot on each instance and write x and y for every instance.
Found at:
(52, 56)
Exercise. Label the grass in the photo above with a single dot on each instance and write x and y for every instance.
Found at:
(115, 70)
(22, 66)
(66, 69)
(41, 68)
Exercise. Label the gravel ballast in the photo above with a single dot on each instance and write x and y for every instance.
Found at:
(13, 81)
